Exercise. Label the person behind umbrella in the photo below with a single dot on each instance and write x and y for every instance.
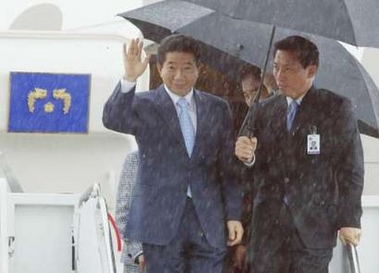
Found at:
(250, 82)
(132, 256)
(304, 196)
(270, 84)
(187, 198)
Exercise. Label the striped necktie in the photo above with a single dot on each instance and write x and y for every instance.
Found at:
(186, 125)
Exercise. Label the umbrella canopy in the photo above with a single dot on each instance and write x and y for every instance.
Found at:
(161, 19)
(351, 21)
(247, 41)
(339, 71)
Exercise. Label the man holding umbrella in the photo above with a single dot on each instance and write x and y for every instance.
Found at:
(307, 162)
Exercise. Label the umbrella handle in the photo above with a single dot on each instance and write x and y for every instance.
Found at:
(352, 254)
(247, 127)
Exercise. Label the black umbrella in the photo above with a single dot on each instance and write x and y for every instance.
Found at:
(161, 19)
(351, 21)
(236, 40)
(339, 70)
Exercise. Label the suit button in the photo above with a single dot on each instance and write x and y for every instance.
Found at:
(286, 180)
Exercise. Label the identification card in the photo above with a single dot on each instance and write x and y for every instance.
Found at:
(313, 144)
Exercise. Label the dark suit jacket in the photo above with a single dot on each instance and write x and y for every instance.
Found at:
(323, 192)
(166, 170)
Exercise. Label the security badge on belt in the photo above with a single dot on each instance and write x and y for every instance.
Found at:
(313, 142)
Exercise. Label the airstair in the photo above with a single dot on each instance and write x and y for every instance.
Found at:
(58, 233)
(66, 233)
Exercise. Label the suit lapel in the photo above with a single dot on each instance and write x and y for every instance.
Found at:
(283, 137)
(305, 112)
(201, 120)
(282, 113)
(277, 117)
(167, 111)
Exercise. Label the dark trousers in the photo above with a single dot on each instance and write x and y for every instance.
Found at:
(188, 252)
(229, 263)
(292, 256)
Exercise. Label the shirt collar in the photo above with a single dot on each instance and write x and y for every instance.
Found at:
(175, 98)
(298, 100)
(289, 100)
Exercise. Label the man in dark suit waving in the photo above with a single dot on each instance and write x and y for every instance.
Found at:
(186, 194)
(307, 162)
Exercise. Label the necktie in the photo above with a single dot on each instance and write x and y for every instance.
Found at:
(291, 112)
(186, 125)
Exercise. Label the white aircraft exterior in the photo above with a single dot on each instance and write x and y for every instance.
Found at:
(53, 215)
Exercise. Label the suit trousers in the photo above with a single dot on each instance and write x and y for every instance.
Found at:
(188, 252)
(291, 255)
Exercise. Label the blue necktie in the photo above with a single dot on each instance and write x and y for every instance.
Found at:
(186, 125)
(291, 112)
